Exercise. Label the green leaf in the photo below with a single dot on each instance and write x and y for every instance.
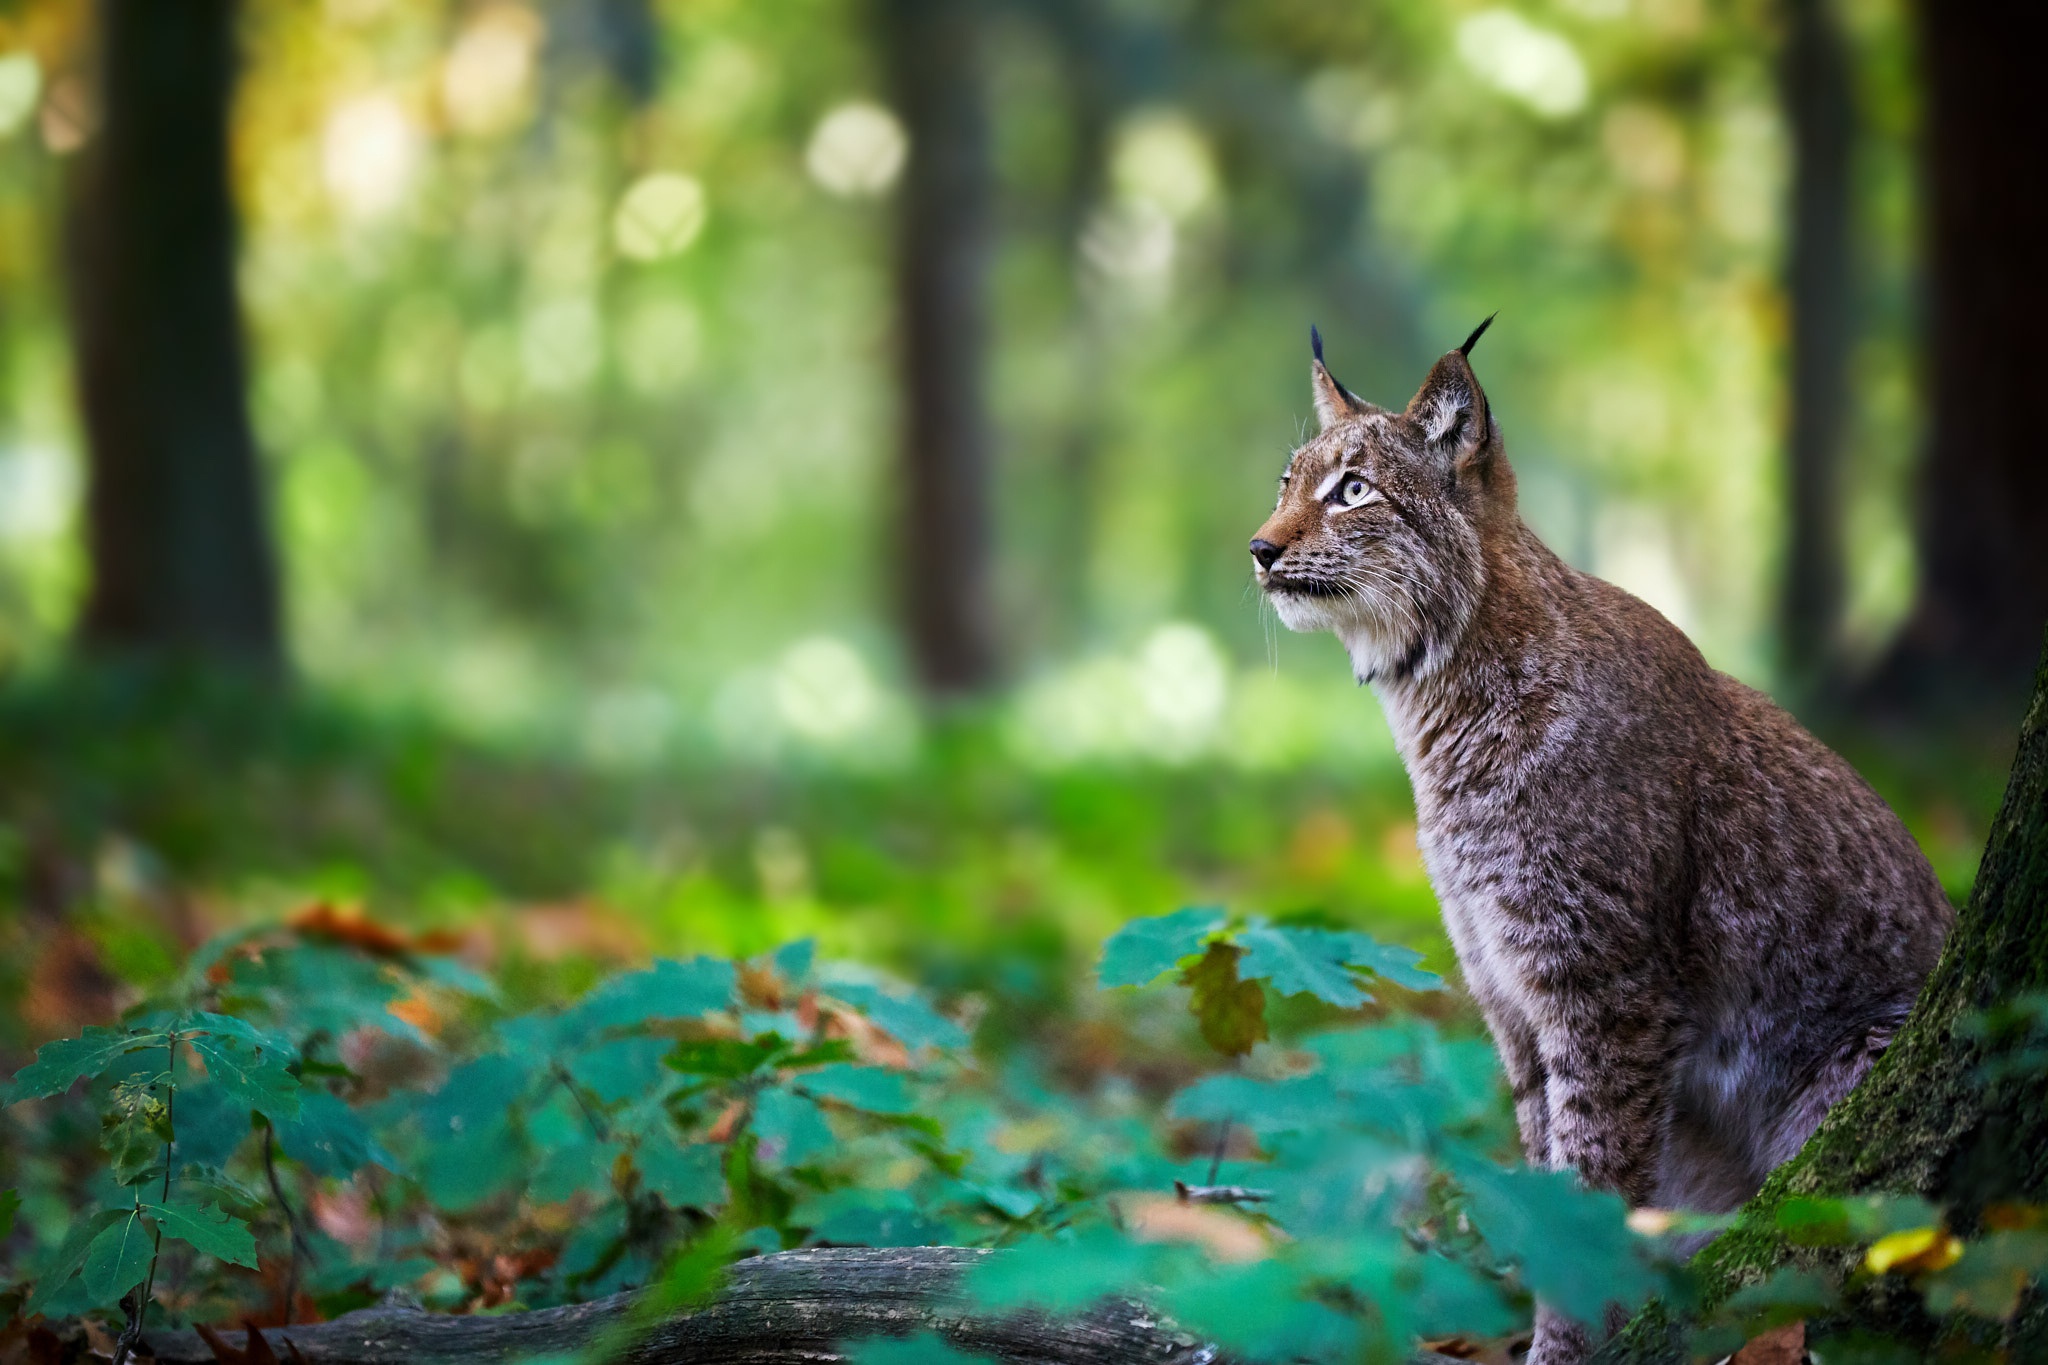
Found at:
(1392, 961)
(725, 1059)
(133, 1130)
(1061, 1276)
(692, 1274)
(1231, 1012)
(475, 1095)
(1301, 961)
(459, 1173)
(1812, 1220)
(227, 1026)
(59, 1064)
(569, 1170)
(10, 1204)
(790, 1128)
(118, 1259)
(622, 1068)
(1788, 1294)
(207, 1228)
(1422, 1293)
(872, 1218)
(1992, 1275)
(1573, 1244)
(686, 1175)
(793, 961)
(69, 1256)
(668, 990)
(1301, 1103)
(1145, 949)
(254, 1078)
(907, 1018)
(874, 1088)
(1260, 1311)
(327, 1137)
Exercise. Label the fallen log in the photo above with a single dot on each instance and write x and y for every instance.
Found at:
(790, 1308)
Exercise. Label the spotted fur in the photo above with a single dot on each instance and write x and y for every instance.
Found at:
(1690, 926)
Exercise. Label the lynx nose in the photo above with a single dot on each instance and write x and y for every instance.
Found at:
(1265, 551)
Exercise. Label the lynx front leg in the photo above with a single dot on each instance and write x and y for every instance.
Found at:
(1607, 1094)
(1607, 1088)
(1515, 1040)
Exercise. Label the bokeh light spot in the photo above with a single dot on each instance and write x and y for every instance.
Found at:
(857, 149)
(1536, 66)
(489, 71)
(660, 215)
(1162, 159)
(21, 85)
(369, 153)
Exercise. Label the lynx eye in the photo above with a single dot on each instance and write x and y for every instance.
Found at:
(1354, 491)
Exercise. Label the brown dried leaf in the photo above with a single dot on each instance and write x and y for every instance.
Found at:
(1232, 1013)
(254, 1350)
(1224, 1235)
(1780, 1346)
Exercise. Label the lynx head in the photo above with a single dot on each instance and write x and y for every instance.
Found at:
(1383, 516)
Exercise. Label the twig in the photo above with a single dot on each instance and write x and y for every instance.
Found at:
(131, 1332)
(291, 1222)
(599, 1129)
(1222, 1146)
(1218, 1194)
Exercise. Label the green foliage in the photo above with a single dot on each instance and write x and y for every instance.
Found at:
(59, 1065)
(673, 1117)
(1146, 949)
(118, 1258)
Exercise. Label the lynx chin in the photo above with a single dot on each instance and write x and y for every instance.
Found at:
(1690, 926)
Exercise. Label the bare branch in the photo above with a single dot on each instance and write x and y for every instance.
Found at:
(1219, 1194)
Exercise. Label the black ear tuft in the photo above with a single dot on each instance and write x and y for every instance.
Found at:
(1473, 340)
(1315, 341)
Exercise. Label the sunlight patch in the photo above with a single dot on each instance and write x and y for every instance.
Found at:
(857, 150)
(1540, 68)
(660, 215)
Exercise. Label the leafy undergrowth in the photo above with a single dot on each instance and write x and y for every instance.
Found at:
(310, 1115)
(313, 1114)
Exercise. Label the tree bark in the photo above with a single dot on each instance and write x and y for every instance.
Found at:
(931, 52)
(1820, 111)
(1924, 1121)
(1983, 492)
(181, 559)
(794, 1308)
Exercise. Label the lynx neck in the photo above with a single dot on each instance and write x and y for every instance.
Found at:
(1493, 697)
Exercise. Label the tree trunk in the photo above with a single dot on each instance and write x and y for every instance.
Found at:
(1924, 1121)
(931, 51)
(1820, 110)
(181, 560)
(1983, 495)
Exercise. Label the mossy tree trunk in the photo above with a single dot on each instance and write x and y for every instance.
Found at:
(1924, 1122)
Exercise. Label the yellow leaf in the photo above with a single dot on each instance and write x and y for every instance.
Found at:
(1913, 1251)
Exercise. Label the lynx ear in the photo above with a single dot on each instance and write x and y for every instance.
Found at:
(1450, 407)
(1334, 402)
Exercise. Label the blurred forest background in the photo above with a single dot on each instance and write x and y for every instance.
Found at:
(642, 472)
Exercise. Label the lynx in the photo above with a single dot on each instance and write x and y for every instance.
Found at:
(1689, 925)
